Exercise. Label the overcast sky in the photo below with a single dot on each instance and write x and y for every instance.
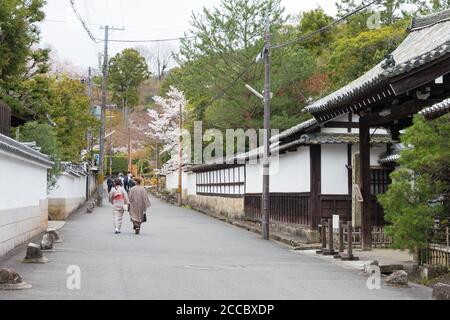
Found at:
(142, 19)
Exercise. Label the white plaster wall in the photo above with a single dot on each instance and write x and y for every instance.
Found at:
(355, 118)
(69, 186)
(290, 175)
(293, 172)
(333, 169)
(253, 178)
(24, 182)
(24, 208)
(375, 151)
(92, 183)
(343, 118)
(192, 183)
(172, 181)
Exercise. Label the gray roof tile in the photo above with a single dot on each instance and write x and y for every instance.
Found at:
(436, 110)
(12, 146)
(426, 42)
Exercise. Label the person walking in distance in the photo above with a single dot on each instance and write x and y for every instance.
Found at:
(125, 183)
(139, 203)
(110, 183)
(119, 199)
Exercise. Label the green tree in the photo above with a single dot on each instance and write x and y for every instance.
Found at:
(19, 59)
(45, 137)
(228, 39)
(69, 108)
(127, 71)
(314, 20)
(424, 175)
(352, 56)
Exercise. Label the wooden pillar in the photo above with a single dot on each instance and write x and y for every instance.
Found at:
(315, 185)
(364, 150)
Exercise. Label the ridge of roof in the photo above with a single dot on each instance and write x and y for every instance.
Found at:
(421, 22)
(436, 110)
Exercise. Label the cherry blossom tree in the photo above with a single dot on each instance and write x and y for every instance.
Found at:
(164, 126)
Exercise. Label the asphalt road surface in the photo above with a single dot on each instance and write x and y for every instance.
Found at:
(183, 254)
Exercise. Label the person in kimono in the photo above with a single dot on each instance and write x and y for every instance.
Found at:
(139, 203)
(119, 199)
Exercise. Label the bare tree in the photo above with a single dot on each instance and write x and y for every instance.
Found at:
(159, 56)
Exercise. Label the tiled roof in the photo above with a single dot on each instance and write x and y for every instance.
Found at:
(389, 159)
(298, 128)
(327, 138)
(436, 110)
(428, 40)
(393, 155)
(74, 169)
(12, 146)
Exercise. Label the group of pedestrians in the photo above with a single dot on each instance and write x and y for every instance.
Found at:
(126, 193)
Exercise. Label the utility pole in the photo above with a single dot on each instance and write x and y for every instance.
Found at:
(90, 133)
(110, 140)
(266, 156)
(127, 112)
(180, 161)
(101, 166)
(101, 173)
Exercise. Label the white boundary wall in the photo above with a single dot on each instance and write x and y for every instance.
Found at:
(23, 209)
(69, 194)
(290, 175)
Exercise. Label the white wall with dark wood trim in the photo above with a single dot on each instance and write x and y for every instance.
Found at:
(334, 174)
(292, 174)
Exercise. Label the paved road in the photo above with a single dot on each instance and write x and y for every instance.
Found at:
(182, 254)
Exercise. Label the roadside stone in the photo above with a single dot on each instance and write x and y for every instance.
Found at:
(399, 278)
(390, 268)
(91, 206)
(441, 291)
(11, 280)
(47, 241)
(368, 264)
(34, 254)
(55, 234)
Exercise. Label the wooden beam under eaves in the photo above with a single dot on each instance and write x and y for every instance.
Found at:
(342, 125)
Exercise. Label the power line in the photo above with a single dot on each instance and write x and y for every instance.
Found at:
(232, 84)
(93, 38)
(83, 23)
(152, 40)
(321, 30)
(98, 25)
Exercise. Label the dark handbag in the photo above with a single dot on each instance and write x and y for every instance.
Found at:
(145, 218)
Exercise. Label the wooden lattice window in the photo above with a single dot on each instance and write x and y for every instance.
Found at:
(222, 182)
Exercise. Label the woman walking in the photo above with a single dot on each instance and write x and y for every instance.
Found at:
(139, 203)
(119, 198)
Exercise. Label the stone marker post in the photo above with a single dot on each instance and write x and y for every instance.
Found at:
(349, 256)
(330, 251)
(323, 237)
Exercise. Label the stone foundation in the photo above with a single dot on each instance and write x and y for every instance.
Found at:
(306, 234)
(232, 208)
(19, 225)
(61, 208)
